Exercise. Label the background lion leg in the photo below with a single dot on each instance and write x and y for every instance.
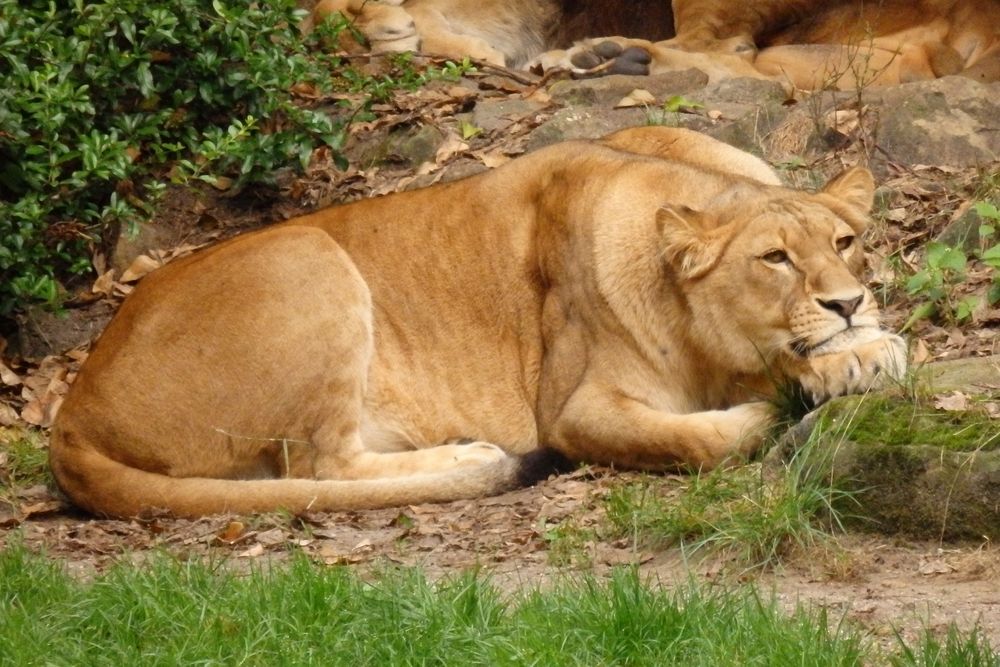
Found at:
(439, 36)
(733, 30)
(604, 427)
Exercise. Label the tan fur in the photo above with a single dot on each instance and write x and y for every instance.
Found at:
(622, 301)
(846, 43)
(808, 43)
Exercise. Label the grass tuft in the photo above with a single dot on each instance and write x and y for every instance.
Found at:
(958, 649)
(754, 515)
(24, 460)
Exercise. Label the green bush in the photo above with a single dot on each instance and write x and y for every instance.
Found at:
(98, 101)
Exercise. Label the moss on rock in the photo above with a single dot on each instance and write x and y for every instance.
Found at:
(910, 468)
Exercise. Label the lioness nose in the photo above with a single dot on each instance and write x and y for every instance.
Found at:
(843, 307)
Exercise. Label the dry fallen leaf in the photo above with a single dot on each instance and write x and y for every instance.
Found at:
(920, 353)
(956, 401)
(105, 283)
(139, 267)
(492, 159)
(42, 411)
(222, 183)
(639, 97)
(253, 552)
(451, 146)
(9, 377)
(43, 507)
(233, 532)
(8, 415)
(936, 566)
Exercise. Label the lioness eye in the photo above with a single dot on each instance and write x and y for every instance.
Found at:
(844, 242)
(775, 257)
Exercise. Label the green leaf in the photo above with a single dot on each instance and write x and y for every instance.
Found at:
(993, 294)
(942, 256)
(680, 103)
(988, 210)
(918, 282)
(964, 308)
(468, 130)
(921, 312)
(145, 77)
(991, 256)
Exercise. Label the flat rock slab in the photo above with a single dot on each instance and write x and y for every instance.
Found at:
(910, 467)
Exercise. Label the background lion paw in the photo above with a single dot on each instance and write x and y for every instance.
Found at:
(599, 58)
(859, 363)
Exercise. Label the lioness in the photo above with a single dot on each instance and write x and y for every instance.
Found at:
(629, 301)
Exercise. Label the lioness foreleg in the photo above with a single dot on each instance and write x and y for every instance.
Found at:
(603, 426)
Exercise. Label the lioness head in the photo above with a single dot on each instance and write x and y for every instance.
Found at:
(774, 275)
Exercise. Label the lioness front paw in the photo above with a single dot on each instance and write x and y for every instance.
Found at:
(851, 367)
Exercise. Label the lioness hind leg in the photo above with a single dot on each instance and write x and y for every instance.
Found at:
(356, 462)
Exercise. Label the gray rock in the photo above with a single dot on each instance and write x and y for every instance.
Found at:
(494, 114)
(964, 232)
(905, 466)
(408, 147)
(584, 123)
(949, 121)
(607, 91)
(758, 92)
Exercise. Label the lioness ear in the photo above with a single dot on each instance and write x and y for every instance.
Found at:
(686, 246)
(854, 187)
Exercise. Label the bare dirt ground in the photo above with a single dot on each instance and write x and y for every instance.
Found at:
(882, 583)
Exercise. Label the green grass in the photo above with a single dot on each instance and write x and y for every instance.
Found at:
(755, 517)
(24, 460)
(957, 649)
(567, 544)
(169, 612)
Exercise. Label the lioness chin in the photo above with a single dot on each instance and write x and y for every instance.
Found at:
(627, 301)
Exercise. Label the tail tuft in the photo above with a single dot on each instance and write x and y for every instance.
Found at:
(537, 465)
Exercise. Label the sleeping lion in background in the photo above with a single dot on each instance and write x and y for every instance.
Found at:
(808, 43)
(629, 301)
